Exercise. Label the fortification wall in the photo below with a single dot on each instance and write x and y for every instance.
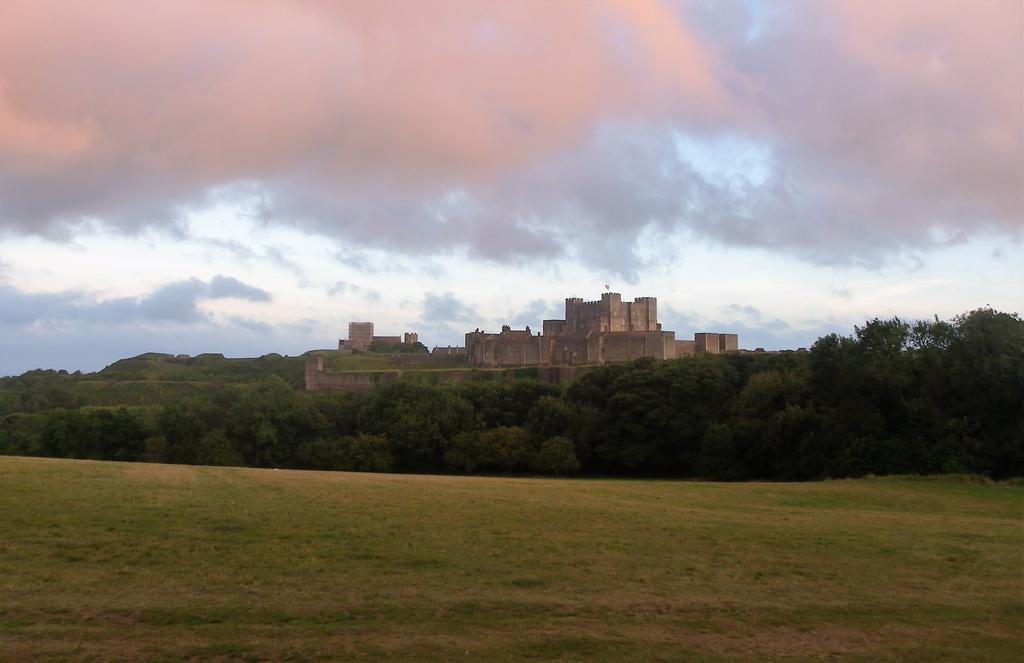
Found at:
(624, 347)
(553, 328)
(448, 351)
(516, 352)
(361, 381)
(685, 348)
(569, 350)
(633, 345)
(319, 380)
(707, 342)
(421, 359)
(353, 381)
(504, 350)
(509, 348)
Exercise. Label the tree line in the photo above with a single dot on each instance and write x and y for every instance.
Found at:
(895, 397)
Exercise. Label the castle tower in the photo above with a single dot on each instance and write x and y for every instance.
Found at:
(360, 334)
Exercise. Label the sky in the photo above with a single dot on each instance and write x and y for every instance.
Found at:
(192, 176)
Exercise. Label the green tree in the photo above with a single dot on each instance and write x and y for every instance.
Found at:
(215, 448)
(367, 453)
(506, 449)
(418, 420)
(556, 456)
(653, 415)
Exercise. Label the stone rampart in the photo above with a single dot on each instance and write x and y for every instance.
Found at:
(317, 379)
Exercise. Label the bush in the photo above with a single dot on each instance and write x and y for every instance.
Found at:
(502, 449)
(556, 456)
(506, 448)
(462, 453)
(366, 453)
(215, 449)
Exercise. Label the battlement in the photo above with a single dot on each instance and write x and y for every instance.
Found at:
(610, 314)
(605, 298)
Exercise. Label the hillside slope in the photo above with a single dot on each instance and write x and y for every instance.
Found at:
(148, 379)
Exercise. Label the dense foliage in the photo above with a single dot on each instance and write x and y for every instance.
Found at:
(928, 397)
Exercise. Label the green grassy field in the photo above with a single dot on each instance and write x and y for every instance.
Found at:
(137, 561)
(370, 361)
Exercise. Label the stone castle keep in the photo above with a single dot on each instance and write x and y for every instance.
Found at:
(599, 332)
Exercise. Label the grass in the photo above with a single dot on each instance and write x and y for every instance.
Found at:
(137, 561)
(371, 361)
(205, 368)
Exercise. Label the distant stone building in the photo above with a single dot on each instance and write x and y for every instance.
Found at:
(360, 336)
(509, 348)
(597, 332)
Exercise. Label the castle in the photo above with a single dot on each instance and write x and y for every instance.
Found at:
(592, 334)
(597, 332)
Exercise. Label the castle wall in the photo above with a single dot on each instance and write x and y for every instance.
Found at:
(509, 348)
(685, 348)
(517, 352)
(319, 380)
(706, 342)
(570, 350)
(354, 381)
(448, 351)
(552, 328)
(624, 347)
(627, 346)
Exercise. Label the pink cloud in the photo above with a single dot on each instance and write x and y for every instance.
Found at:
(883, 119)
(935, 102)
(222, 87)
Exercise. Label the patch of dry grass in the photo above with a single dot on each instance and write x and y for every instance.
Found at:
(110, 560)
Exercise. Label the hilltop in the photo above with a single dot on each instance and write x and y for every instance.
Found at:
(151, 378)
